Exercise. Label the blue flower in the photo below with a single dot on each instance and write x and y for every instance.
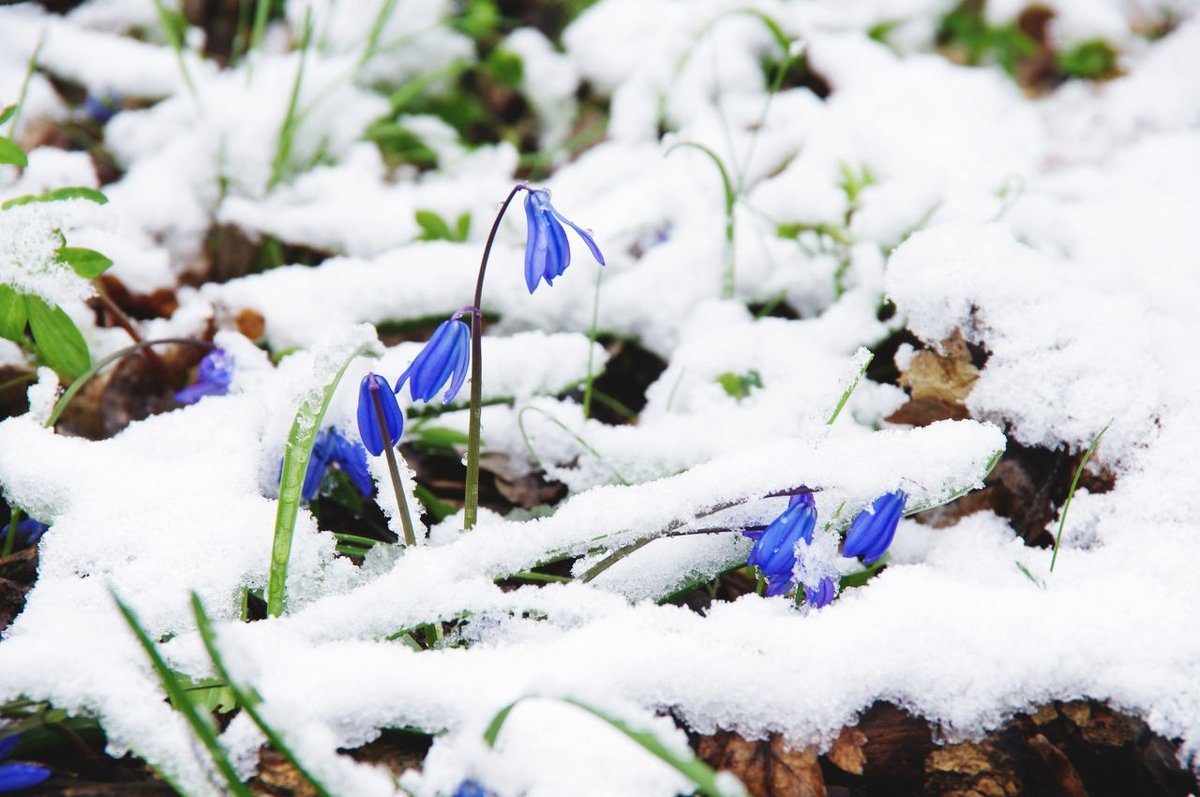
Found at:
(872, 530)
(102, 108)
(212, 378)
(368, 415)
(547, 253)
(822, 595)
(331, 448)
(444, 359)
(16, 776)
(469, 788)
(774, 552)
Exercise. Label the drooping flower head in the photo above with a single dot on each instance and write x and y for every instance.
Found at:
(774, 552)
(872, 530)
(32, 530)
(547, 252)
(374, 388)
(19, 775)
(444, 359)
(212, 378)
(470, 788)
(332, 448)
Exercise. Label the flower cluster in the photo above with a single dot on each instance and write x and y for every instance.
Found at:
(332, 448)
(785, 547)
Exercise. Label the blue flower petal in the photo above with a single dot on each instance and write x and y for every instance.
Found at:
(584, 234)
(775, 552)
(461, 364)
(352, 459)
(822, 595)
(445, 356)
(8, 744)
(872, 530)
(22, 776)
(318, 463)
(547, 250)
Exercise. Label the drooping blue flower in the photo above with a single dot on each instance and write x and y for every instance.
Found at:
(101, 108)
(547, 253)
(822, 595)
(872, 530)
(18, 775)
(444, 359)
(373, 385)
(774, 552)
(212, 378)
(332, 448)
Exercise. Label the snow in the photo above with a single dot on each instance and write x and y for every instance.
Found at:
(1056, 235)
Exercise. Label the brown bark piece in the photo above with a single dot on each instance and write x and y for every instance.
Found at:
(971, 770)
(768, 768)
(1062, 774)
(278, 778)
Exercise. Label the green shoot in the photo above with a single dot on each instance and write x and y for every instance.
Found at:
(248, 698)
(30, 68)
(837, 410)
(1062, 520)
(381, 20)
(295, 463)
(201, 725)
(291, 121)
(702, 776)
(728, 280)
(590, 380)
(262, 11)
(174, 26)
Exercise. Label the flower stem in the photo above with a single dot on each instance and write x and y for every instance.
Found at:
(389, 451)
(11, 537)
(471, 492)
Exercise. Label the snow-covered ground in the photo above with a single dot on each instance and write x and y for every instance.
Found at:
(1058, 233)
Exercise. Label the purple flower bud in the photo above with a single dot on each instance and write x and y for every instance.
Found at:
(822, 595)
(774, 553)
(872, 530)
(547, 253)
(14, 776)
(332, 448)
(444, 359)
(375, 388)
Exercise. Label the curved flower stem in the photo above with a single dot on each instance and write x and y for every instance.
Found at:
(471, 496)
(389, 451)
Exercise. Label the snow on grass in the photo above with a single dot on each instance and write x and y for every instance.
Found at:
(1056, 235)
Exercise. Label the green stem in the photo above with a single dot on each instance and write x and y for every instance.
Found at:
(410, 537)
(248, 698)
(471, 492)
(728, 283)
(10, 538)
(29, 70)
(1062, 521)
(591, 375)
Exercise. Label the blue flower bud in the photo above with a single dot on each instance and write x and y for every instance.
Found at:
(444, 359)
(774, 552)
(15, 776)
(872, 530)
(331, 448)
(547, 253)
(375, 388)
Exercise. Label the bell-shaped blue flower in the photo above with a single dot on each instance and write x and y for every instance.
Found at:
(774, 552)
(332, 448)
(547, 253)
(822, 595)
(32, 530)
(19, 775)
(469, 788)
(872, 530)
(374, 388)
(444, 359)
(212, 378)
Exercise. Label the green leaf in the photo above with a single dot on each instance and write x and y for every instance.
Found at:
(12, 314)
(58, 340)
(739, 385)
(11, 153)
(462, 227)
(437, 437)
(72, 192)
(1089, 60)
(505, 67)
(433, 227)
(87, 263)
(7, 113)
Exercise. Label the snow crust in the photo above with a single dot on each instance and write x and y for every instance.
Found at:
(1057, 235)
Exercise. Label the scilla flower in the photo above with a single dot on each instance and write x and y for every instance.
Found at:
(547, 253)
(822, 595)
(374, 388)
(774, 552)
(331, 448)
(212, 378)
(444, 359)
(872, 530)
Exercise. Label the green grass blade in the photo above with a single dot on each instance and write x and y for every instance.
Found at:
(1062, 520)
(728, 279)
(30, 68)
(849, 390)
(583, 443)
(295, 463)
(287, 131)
(702, 776)
(248, 698)
(201, 726)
